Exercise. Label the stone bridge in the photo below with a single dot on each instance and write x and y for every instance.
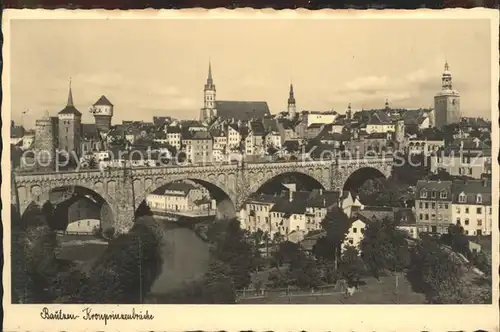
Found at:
(124, 189)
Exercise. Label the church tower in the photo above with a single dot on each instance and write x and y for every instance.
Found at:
(447, 101)
(208, 111)
(292, 108)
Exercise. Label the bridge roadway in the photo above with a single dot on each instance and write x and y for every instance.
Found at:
(122, 190)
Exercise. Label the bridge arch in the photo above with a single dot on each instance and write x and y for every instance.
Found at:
(269, 181)
(356, 177)
(62, 197)
(215, 184)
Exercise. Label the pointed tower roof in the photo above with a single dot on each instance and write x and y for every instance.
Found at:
(291, 98)
(103, 101)
(70, 95)
(70, 108)
(210, 82)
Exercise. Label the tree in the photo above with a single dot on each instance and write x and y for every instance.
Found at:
(286, 253)
(218, 287)
(441, 175)
(456, 239)
(127, 269)
(305, 272)
(232, 249)
(336, 224)
(437, 273)
(384, 247)
(351, 266)
(324, 249)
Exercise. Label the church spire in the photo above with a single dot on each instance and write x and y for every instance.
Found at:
(70, 95)
(291, 98)
(210, 82)
(210, 71)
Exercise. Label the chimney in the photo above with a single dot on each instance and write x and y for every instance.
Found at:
(290, 195)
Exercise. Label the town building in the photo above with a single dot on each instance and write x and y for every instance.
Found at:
(297, 212)
(447, 101)
(198, 146)
(433, 205)
(466, 157)
(181, 197)
(471, 206)
(466, 203)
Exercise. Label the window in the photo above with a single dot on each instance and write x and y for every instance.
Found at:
(426, 216)
(433, 194)
(351, 241)
(423, 194)
(426, 205)
(433, 216)
(462, 198)
(362, 230)
(479, 199)
(420, 205)
(354, 230)
(446, 205)
(440, 206)
(479, 210)
(466, 232)
(466, 210)
(466, 221)
(479, 222)
(421, 216)
(443, 194)
(458, 221)
(458, 209)
(433, 205)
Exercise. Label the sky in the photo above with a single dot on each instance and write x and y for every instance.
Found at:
(152, 68)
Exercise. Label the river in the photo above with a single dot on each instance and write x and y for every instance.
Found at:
(185, 258)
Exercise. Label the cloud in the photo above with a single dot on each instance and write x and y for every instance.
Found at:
(372, 91)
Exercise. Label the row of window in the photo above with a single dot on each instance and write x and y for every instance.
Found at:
(421, 205)
(466, 222)
(443, 194)
(440, 217)
(462, 198)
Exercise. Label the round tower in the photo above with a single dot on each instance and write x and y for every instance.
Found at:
(44, 145)
(102, 110)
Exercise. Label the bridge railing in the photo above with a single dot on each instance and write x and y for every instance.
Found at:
(198, 167)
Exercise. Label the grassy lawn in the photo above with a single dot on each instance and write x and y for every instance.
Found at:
(373, 292)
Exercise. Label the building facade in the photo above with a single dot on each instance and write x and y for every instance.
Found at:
(433, 206)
